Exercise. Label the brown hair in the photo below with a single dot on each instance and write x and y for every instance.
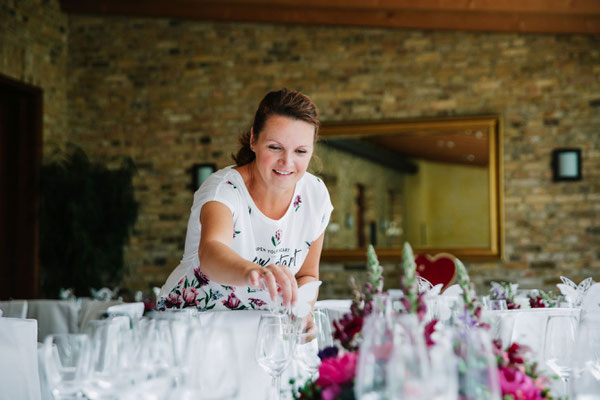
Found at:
(284, 102)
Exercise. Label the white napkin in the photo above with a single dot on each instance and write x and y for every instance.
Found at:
(572, 292)
(453, 291)
(590, 305)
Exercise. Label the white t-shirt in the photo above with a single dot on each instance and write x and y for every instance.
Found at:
(257, 238)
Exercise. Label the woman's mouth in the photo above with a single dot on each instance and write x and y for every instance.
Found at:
(282, 172)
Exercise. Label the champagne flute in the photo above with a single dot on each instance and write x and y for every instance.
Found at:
(274, 347)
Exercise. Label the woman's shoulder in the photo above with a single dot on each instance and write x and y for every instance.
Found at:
(313, 186)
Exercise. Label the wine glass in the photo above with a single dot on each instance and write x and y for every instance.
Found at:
(477, 366)
(308, 346)
(218, 381)
(586, 362)
(373, 358)
(559, 345)
(408, 370)
(67, 360)
(274, 347)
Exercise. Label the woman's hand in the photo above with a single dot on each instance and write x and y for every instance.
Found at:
(277, 278)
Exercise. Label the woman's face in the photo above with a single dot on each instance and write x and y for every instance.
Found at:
(283, 150)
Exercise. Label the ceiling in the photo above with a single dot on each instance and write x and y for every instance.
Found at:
(531, 16)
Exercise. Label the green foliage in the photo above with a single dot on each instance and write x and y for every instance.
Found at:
(86, 215)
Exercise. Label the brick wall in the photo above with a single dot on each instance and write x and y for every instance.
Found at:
(33, 49)
(173, 93)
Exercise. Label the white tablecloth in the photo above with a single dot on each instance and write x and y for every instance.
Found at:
(14, 308)
(19, 377)
(243, 325)
(54, 316)
(525, 326)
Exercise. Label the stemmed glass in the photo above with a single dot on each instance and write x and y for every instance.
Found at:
(373, 358)
(559, 345)
(66, 361)
(586, 363)
(274, 347)
(308, 346)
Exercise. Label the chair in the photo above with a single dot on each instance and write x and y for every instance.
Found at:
(19, 376)
(14, 308)
(437, 269)
(54, 316)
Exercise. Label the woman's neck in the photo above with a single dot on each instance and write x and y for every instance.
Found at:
(272, 203)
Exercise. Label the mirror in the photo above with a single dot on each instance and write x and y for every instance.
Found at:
(435, 183)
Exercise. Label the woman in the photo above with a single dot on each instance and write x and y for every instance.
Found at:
(258, 224)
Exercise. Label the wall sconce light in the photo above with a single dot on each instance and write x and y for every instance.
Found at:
(566, 165)
(199, 174)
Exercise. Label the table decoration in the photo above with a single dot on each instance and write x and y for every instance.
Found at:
(505, 291)
(574, 293)
(484, 369)
(519, 378)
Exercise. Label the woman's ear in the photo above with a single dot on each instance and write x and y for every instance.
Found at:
(252, 138)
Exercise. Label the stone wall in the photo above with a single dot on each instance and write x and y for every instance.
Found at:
(33, 50)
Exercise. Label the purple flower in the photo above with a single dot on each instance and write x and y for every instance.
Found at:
(328, 352)
(202, 279)
(297, 202)
(232, 302)
(278, 235)
(173, 301)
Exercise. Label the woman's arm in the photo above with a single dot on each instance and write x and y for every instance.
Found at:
(310, 268)
(220, 263)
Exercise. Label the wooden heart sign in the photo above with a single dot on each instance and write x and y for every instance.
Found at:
(437, 269)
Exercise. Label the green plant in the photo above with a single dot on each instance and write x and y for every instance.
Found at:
(87, 212)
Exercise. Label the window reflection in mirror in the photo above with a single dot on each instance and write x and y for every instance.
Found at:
(433, 183)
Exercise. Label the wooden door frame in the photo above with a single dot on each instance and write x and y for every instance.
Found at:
(25, 281)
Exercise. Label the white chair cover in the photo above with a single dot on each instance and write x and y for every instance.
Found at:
(19, 376)
(54, 316)
(14, 308)
(134, 310)
(93, 309)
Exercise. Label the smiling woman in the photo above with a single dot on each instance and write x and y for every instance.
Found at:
(258, 226)
(435, 183)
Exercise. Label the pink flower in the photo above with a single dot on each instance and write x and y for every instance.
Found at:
(331, 392)
(337, 370)
(173, 301)
(232, 302)
(189, 295)
(516, 383)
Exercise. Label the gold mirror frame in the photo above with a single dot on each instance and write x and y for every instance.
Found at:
(490, 124)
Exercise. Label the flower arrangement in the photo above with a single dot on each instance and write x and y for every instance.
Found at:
(505, 291)
(519, 379)
(542, 299)
(338, 368)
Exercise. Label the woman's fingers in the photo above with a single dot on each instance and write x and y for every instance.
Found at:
(283, 281)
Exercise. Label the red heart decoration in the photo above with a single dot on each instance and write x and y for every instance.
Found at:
(437, 269)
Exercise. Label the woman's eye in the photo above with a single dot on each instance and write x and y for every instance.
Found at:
(301, 151)
(274, 147)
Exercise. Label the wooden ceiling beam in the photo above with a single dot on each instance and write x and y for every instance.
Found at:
(257, 11)
(522, 6)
